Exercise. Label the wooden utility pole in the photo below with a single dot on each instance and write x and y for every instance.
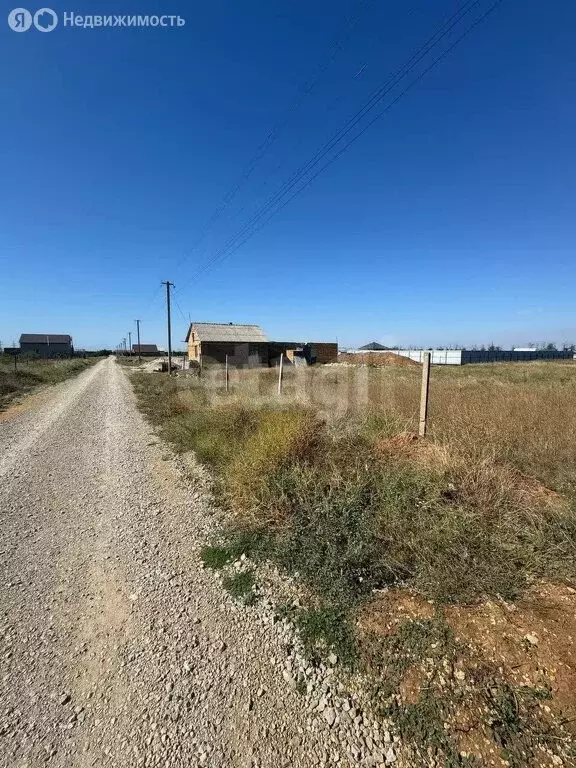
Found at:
(167, 283)
(138, 337)
(424, 395)
(280, 373)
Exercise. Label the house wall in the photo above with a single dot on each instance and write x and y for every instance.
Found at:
(240, 354)
(322, 352)
(46, 350)
(193, 349)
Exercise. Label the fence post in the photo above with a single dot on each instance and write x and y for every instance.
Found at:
(280, 373)
(424, 395)
(227, 380)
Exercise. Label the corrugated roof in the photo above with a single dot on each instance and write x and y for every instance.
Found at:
(45, 338)
(145, 348)
(227, 332)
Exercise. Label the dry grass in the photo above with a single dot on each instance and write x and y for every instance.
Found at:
(331, 471)
(330, 482)
(30, 373)
(516, 414)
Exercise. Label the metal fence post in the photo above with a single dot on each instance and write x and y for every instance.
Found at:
(424, 395)
(227, 379)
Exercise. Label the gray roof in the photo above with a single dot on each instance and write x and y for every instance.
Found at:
(45, 338)
(227, 332)
(374, 346)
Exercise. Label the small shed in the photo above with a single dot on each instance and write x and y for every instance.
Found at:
(47, 344)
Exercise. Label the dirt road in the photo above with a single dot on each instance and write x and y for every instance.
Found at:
(116, 648)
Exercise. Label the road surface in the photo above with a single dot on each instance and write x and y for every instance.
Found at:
(117, 649)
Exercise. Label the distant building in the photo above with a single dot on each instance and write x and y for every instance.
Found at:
(374, 346)
(246, 346)
(145, 349)
(47, 344)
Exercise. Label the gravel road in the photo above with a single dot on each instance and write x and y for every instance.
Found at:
(116, 647)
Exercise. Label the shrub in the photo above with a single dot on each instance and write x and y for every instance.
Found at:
(278, 440)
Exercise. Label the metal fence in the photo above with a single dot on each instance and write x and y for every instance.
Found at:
(465, 356)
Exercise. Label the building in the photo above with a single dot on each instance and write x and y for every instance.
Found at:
(374, 346)
(46, 344)
(147, 350)
(246, 346)
(242, 345)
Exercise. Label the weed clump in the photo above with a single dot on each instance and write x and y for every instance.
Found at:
(241, 586)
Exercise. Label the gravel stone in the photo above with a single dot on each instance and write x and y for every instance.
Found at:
(106, 604)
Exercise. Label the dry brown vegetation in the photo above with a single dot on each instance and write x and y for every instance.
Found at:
(329, 480)
(28, 373)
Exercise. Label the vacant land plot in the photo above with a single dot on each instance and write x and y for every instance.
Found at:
(21, 377)
(441, 570)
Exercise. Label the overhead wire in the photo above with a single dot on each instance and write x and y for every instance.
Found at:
(304, 90)
(178, 305)
(277, 202)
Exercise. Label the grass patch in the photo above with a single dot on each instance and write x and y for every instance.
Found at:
(328, 630)
(241, 586)
(350, 512)
(127, 361)
(216, 558)
(31, 373)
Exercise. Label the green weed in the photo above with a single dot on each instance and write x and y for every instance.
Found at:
(241, 586)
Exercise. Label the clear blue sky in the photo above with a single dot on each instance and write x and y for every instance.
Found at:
(451, 220)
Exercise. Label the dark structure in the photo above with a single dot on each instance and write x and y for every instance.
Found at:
(46, 344)
(146, 350)
(373, 347)
(246, 346)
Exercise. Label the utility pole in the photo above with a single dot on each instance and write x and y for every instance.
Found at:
(124, 345)
(167, 283)
(138, 337)
(130, 341)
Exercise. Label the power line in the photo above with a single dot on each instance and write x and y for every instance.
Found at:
(178, 305)
(304, 90)
(373, 100)
(152, 300)
(249, 229)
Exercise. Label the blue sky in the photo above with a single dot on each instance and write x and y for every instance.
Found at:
(451, 220)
